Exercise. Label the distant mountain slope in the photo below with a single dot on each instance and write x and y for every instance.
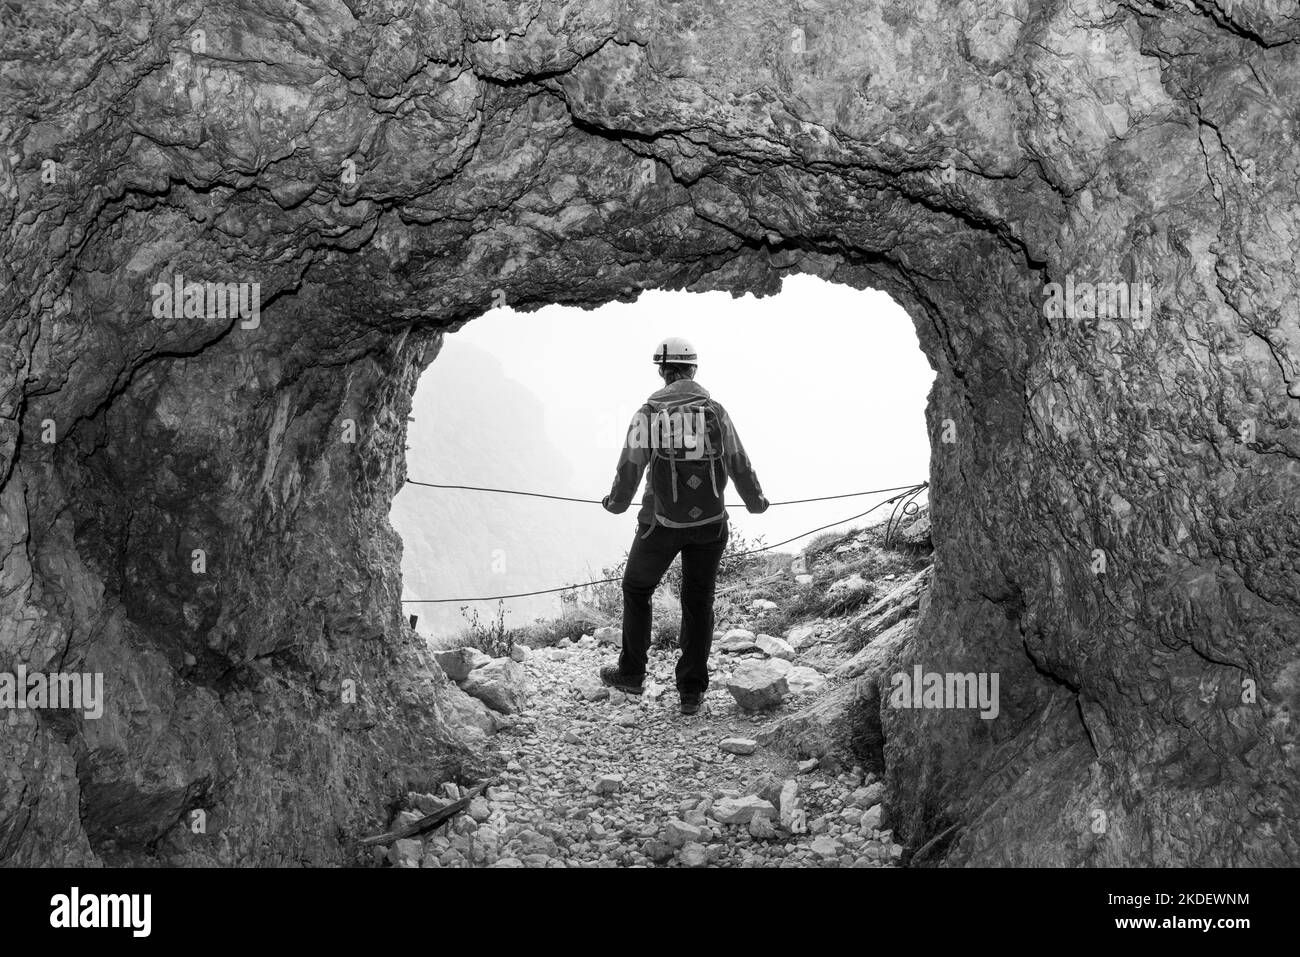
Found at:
(475, 426)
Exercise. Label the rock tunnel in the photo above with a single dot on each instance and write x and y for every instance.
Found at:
(195, 498)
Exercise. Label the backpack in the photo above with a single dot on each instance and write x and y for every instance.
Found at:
(685, 473)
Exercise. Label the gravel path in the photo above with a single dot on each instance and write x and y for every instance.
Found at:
(626, 781)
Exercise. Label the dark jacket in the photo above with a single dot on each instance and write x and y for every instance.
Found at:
(636, 456)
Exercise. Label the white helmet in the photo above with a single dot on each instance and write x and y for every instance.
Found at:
(676, 349)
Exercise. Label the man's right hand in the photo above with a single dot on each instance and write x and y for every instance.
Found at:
(763, 504)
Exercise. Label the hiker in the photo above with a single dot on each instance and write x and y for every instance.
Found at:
(687, 442)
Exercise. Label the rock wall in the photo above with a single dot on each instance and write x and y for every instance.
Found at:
(1114, 499)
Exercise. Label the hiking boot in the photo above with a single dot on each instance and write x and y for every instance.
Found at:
(691, 702)
(616, 679)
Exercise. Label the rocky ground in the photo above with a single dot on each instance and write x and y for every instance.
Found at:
(596, 778)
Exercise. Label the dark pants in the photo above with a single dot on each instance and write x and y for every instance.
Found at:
(701, 548)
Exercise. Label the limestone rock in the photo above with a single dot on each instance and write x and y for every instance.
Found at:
(757, 686)
(739, 745)
(459, 662)
(775, 647)
(693, 855)
(499, 684)
(678, 833)
(741, 810)
(406, 852)
(801, 679)
(737, 641)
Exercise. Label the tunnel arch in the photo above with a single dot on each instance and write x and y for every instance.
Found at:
(384, 172)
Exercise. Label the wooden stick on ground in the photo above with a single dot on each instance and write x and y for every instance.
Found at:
(426, 823)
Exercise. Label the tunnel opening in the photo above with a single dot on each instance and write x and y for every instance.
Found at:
(825, 384)
(536, 403)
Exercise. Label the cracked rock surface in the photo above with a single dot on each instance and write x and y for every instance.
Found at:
(1115, 498)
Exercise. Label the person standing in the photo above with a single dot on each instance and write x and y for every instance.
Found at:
(687, 445)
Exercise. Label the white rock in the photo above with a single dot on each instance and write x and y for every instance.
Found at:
(801, 678)
(774, 647)
(736, 641)
(789, 795)
(591, 689)
(500, 685)
(608, 784)
(872, 816)
(780, 665)
(757, 686)
(694, 855)
(761, 828)
(459, 662)
(865, 797)
(762, 604)
(741, 810)
(847, 587)
(739, 745)
(797, 636)
(519, 653)
(586, 642)
(826, 846)
(678, 833)
(609, 635)
(469, 712)
(803, 579)
(479, 809)
(406, 853)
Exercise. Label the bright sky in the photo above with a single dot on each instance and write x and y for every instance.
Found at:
(826, 385)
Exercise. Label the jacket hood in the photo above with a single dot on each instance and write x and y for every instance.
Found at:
(677, 391)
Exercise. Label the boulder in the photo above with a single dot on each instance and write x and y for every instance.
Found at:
(800, 635)
(466, 711)
(741, 810)
(737, 641)
(757, 686)
(519, 653)
(609, 635)
(801, 678)
(774, 647)
(847, 589)
(679, 833)
(459, 662)
(499, 684)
